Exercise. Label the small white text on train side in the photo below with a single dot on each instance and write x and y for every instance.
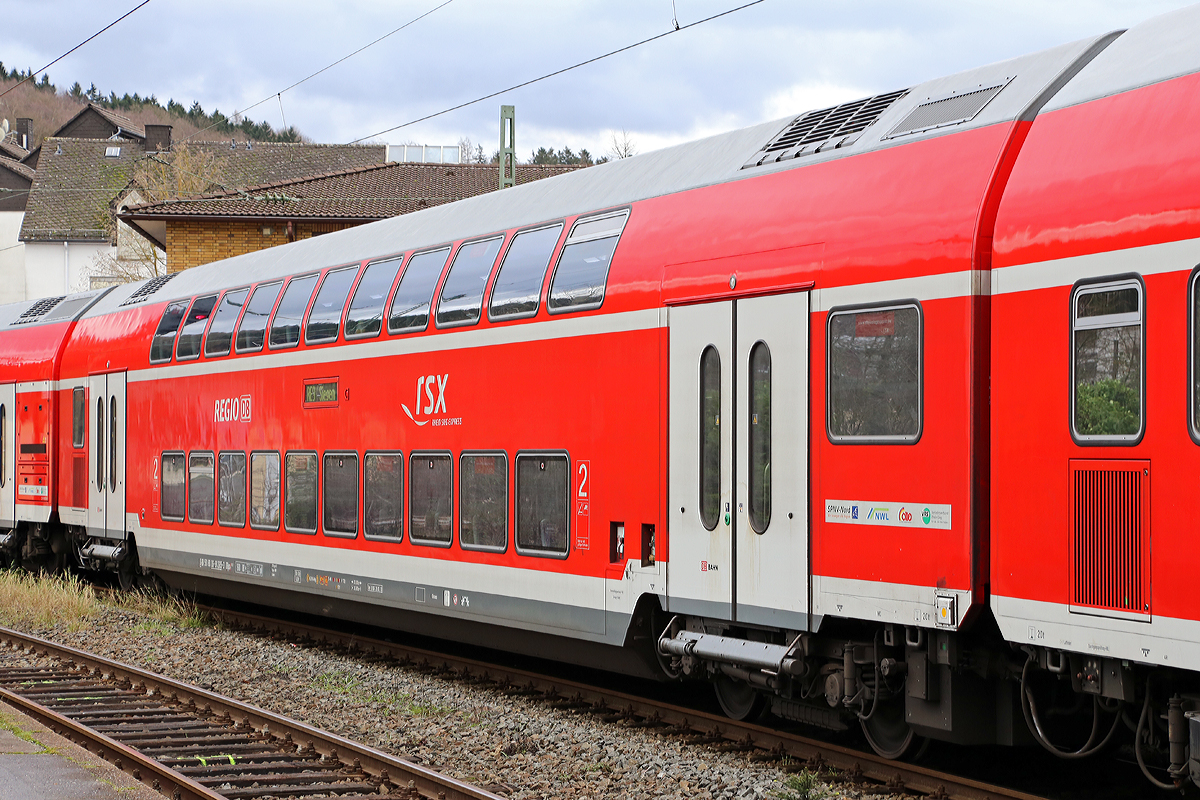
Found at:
(232, 409)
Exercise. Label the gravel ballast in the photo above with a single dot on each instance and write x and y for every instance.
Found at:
(514, 746)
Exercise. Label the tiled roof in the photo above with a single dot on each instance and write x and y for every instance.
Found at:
(73, 190)
(9, 150)
(18, 168)
(374, 192)
(124, 123)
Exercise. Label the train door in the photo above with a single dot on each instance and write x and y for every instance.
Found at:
(106, 509)
(700, 569)
(771, 522)
(738, 484)
(8, 457)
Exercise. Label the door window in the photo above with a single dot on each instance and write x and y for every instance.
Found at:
(100, 426)
(710, 437)
(760, 437)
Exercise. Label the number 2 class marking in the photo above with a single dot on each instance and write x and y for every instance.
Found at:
(583, 477)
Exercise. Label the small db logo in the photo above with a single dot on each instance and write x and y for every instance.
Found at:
(704, 566)
(244, 408)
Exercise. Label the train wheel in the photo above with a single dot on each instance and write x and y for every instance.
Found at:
(738, 700)
(889, 733)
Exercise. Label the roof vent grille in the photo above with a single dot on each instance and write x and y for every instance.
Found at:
(826, 128)
(37, 310)
(148, 288)
(952, 110)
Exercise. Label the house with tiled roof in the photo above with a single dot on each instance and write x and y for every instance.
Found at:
(198, 230)
(81, 184)
(96, 122)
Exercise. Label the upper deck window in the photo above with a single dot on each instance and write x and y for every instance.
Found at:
(1106, 362)
(252, 330)
(285, 325)
(219, 339)
(410, 306)
(582, 272)
(874, 383)
(325, 319)
(163, 344)
(365, 317)
(462, 293)
(188, 346)
(518, 287)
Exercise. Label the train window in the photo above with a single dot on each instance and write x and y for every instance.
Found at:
(163, 344)
(410, 306)
(325, 319)
(285, 325)
(582, 271)
(252, 330)
(1194, 382)
(264, 491)
(100, 447)
(543, 495)
(483, 501)
(874, 383)
(339, 498)
(3, 442)
(365, 317)
(383, 496)
(518, 286)
(200, 488)
(188, 346)
(300, 493)
(231, 489)
(462, 293)
(759, 483)
(78, 417)
(430, 499)
(112, 444)
(219, 339)
(171, 504)
(1106, 363)
(710, 437)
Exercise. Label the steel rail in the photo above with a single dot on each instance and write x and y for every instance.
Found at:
(766, 743)
(390, 769)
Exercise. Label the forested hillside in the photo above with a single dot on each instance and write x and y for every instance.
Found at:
(49, 107)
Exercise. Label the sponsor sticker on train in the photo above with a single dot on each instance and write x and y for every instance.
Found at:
(897, 515)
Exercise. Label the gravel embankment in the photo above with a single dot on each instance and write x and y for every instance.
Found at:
(511, 745)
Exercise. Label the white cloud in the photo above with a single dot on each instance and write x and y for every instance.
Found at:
(801, 97)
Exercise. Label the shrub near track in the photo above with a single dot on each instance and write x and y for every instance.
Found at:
(30, 599)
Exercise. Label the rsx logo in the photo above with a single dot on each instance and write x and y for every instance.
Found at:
(426, 403)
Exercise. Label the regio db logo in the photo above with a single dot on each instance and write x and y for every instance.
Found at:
(232, 409)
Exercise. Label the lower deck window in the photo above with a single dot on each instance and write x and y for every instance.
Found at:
(200, 488)
(383, 496)
(300, 493)
(339, 495)
(264, 491)
(875, 375)
(231, 489)
(173, 491)
(483, 501)
(543, 494)
(430, 495)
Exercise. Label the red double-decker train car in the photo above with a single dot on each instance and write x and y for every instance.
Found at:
(854, 415)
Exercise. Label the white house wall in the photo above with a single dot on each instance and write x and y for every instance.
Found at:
(12, 258)
(56, 268)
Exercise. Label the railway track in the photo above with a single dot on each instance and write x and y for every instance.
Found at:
(191, 744)
(791, 751)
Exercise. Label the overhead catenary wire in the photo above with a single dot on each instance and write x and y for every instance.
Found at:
(32, 75)
(279, 94)
(557, 72)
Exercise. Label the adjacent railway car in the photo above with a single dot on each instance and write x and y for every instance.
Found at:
(854, 415)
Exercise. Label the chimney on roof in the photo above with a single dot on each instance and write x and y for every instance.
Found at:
(24, 130)
(158, 138)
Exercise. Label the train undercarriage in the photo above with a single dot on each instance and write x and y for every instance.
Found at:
(905, 686)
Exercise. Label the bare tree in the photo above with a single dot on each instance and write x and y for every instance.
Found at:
(466, 149)
(621, 145)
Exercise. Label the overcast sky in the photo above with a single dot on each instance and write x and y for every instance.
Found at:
(777, 58)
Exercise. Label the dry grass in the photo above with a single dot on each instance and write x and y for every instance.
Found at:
(43, 601)
(162, 611)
